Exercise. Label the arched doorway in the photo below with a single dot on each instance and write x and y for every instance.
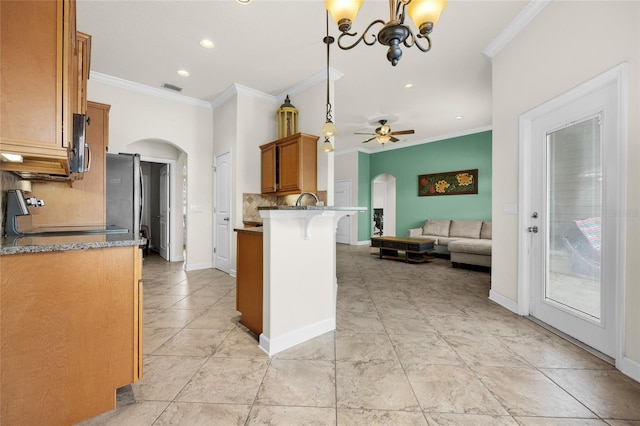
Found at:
(383, 205)
(164, 182)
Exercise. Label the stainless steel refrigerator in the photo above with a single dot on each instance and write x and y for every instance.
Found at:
(124, 191)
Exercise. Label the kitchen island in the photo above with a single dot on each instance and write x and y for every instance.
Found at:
(71, 325)
(299, 273)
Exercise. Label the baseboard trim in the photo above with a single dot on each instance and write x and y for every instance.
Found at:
(288, 340)
(503, 301)
(197, 266)
(630, 368)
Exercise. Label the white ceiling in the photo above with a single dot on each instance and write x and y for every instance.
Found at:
(271, 46)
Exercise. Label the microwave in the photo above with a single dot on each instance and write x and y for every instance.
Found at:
(78, 162)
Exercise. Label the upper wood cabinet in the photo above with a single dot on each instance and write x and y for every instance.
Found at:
(289, 165)
(41, 83)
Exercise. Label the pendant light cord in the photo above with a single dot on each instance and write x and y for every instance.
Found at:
(328, 40)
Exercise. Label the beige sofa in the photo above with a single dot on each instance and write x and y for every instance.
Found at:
(466, 241)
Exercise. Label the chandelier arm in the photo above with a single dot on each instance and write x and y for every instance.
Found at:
(418, 45)
(400, 8)
(361, 38)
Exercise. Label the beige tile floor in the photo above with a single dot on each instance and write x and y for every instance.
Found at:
(414, 345)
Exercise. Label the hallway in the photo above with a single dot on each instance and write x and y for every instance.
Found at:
(415, 345)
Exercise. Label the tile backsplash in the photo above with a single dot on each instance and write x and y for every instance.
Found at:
(251, 202)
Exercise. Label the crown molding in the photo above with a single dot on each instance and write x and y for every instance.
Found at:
(514, 27)
(236, 89)
(306, 84)
(147, 90)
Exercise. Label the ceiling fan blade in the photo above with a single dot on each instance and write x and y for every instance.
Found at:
(394, 139)
(403, 132)
(364, 133)
(369, 140)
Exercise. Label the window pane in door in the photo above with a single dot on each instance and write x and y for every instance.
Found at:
(574, 209)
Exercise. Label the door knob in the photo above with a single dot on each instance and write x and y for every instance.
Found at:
(226, 219)
(533, 229)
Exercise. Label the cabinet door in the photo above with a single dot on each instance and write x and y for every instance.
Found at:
(83, 49)
(289, 166)
(268, 169)
(38, 42)
(249, 291)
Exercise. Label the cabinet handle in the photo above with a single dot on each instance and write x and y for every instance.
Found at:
(88, 147)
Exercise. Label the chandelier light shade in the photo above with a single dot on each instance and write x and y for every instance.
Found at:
(329, 129)
(326, 146)
(393, 33)
(425, 14)
(343, 12)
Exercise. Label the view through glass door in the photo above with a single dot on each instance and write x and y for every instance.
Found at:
(574, 209)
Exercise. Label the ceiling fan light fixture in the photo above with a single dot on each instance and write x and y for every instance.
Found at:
(326, 146)
(425, 13)
(382, 139)
(329, 129)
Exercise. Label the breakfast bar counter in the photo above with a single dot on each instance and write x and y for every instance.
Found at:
(299, 273)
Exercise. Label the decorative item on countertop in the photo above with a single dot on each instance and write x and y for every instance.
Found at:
(287, 119)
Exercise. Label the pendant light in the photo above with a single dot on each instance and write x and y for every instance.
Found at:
(328, 129)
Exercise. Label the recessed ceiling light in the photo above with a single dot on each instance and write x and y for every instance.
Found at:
(459, 117)
(408, 85)
(183, 73)
(207, 44)
(244, 1)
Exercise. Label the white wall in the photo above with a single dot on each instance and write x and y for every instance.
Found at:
(567, 44)
(346, 167)
(137, 116)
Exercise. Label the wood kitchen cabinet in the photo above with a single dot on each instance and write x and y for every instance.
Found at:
(249, 279)
(289, 165)
(71, 333)
(41, 80)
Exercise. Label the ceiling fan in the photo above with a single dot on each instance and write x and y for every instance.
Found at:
(384, 134)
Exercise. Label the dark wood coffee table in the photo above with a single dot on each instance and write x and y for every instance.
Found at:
(415, 250)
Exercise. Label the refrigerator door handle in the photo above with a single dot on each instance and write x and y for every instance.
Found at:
(141, 195)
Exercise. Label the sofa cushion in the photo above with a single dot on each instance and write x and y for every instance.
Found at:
(472, 246)
(465, 228)
(485, 233)
(436, 227)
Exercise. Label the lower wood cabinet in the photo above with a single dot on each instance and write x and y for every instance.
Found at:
(249, 279)
(71, 333)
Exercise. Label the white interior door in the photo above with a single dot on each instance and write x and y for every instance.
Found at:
(573, 180)
(164, 212)
(342, 198)
(222, 212)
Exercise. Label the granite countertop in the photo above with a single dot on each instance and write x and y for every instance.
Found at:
(42, 244)
(251, 230)
(322, 208)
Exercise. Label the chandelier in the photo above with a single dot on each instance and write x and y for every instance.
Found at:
(394, 33)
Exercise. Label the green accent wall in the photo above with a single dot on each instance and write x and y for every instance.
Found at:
(364, 196)
(459, 153)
